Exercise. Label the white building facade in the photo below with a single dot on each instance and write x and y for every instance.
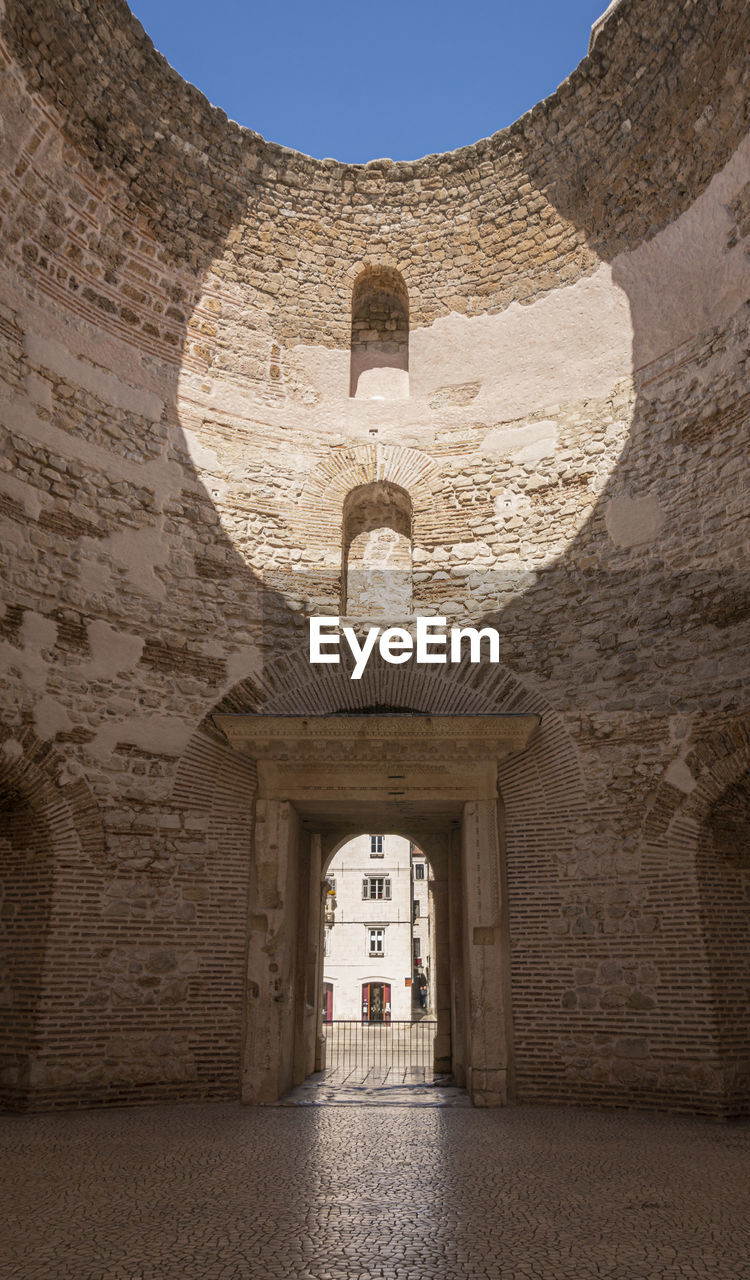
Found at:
(377, 965)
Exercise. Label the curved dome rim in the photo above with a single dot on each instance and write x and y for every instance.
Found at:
(462, 154)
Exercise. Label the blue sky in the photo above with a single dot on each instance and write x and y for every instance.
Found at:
(358, 81)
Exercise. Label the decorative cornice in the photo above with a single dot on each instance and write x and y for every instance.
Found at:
(360, 738)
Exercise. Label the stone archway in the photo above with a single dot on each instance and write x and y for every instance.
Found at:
(317, 519)
(542, 796)
(322, 778)
(50, 825)
(696, 838)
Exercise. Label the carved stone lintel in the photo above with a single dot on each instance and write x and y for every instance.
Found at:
(360, 739)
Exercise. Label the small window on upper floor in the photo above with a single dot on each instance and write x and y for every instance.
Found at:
(380, 336)
(376, 846)
(376, 887)
(419, 871)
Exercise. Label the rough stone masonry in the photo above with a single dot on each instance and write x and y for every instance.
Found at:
(227, 368)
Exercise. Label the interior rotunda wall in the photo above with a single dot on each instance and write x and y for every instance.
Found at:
(179, 444)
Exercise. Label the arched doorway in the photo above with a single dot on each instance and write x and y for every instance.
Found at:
(50, 824)
(723, 877)
(697, 841)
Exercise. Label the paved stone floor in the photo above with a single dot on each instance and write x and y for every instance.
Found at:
(220, 1192)
(390, 1089)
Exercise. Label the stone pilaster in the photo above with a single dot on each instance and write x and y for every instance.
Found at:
(267, 1069)
(441, 962)
(488, 1038)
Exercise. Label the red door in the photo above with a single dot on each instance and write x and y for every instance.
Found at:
(328, 1002)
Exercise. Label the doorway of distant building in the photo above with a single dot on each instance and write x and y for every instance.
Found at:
(376, 1002)
(328, 1002)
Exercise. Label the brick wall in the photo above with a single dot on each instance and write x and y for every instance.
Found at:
(178, 444)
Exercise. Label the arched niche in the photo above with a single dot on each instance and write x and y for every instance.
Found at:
(696, 851)
(380, 336)
(49, 827)
(377, 545)
(27, 852)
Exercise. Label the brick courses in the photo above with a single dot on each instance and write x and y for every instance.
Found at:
(179, 441)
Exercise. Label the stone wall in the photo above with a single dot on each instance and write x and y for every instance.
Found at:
(179, 443)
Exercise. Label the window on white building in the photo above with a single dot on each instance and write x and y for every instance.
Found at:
(376, 942)
(327, 941)
(376, 846)
(416, 909)
(417, 945)
(419, 871)
(376, 887)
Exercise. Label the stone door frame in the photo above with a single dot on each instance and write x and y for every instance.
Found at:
(324, 779)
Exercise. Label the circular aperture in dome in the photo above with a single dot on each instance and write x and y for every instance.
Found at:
(359, 82)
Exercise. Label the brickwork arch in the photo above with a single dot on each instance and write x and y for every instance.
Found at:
(545, 780)
(545, 793)
(34, 773)
(695, 854)
(49, 824)
(713, 763)
(544, 800)
(317, 519)
(376, 560)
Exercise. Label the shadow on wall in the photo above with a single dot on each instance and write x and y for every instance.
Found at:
(724, 880)
(159, 564)
(667, 296)
(50, 828)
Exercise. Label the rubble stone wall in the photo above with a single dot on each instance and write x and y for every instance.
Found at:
(179, 440)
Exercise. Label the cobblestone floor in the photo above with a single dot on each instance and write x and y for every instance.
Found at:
(359, 1193)
(390, 1089)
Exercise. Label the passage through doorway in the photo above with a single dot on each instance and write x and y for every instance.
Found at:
(432, 779)
(379, 964)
